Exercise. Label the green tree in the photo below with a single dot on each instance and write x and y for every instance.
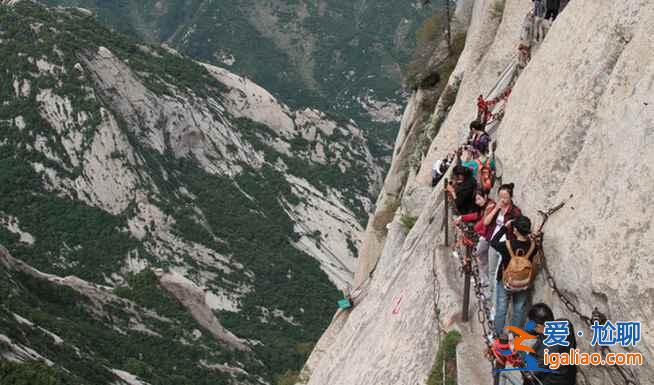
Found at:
(31, 373)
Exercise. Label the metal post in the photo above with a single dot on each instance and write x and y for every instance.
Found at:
(496, 376)
(446, 206)
(466, 283)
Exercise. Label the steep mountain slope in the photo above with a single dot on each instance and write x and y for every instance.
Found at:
(342, 57)
(91, 334)
(579, 121)
(166, 182)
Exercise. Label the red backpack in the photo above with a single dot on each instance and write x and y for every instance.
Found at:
(486, 175)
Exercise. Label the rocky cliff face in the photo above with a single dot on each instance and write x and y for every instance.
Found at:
(579, 121)
(118, 158)
(340, 56)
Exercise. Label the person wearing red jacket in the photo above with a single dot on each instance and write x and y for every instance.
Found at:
(504, 211)
(486, 205)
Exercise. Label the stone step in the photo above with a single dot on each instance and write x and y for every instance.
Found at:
(471, 365)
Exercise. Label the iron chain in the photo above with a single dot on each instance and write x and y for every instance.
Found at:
(483, 310)
(626, 374)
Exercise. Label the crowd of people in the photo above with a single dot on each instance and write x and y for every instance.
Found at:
(506, 245)
(501, 228)
(548, 9)
(536, 26)
(507, 248)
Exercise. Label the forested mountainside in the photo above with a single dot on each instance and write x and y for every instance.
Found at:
(343, 57)
(163, 218)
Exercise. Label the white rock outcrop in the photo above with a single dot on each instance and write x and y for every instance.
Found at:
(13, 225)
(247, 99)
(193, 298)
(108, 163)
(127, 378)
(326, 228)
(98, 295)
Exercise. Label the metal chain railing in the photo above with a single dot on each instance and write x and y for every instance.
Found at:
(483, 309)
(470, 269)
(436, 298)
(469, 266)
(626, 374)
(466, 239)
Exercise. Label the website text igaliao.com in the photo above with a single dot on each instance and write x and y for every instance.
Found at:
(576, 357)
